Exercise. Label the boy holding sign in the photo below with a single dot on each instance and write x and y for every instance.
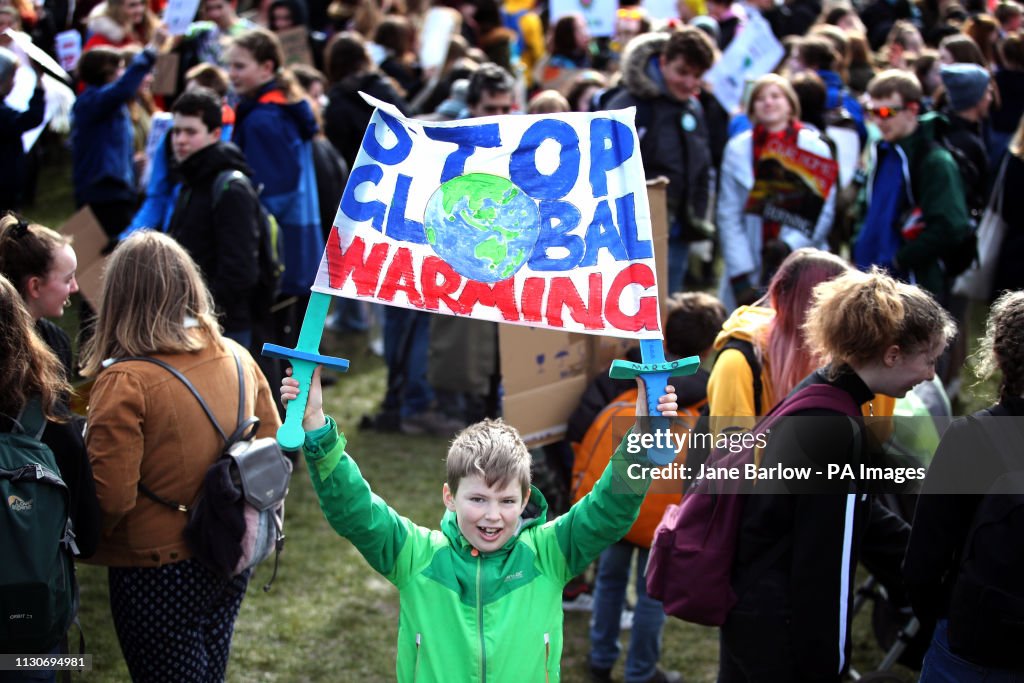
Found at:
(480, 598)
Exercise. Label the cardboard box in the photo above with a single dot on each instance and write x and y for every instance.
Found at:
(544, 372)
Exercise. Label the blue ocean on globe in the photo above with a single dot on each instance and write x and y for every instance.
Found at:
(482, 225)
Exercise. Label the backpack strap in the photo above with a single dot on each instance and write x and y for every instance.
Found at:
(31, 420)
(244, 425)
(224, 180)
(747, 349)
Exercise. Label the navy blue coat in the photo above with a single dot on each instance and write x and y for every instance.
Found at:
(102, 138)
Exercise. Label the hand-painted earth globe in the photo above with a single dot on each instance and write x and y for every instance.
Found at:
(482, 225)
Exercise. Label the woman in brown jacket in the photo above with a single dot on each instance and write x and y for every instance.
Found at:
(174, 617)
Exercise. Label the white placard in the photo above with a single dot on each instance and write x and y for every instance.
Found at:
(24, 42)
(68, 45)
(538, 220)
(753, 53)
(179, 15)
(438, 27)
(600, 14)
(661, 9)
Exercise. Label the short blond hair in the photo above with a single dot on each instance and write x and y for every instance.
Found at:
(493, 450)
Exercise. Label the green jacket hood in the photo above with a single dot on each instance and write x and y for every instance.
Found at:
(746, 323)
(535, 513)
(929, 127)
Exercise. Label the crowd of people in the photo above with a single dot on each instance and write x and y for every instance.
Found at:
(909, 117)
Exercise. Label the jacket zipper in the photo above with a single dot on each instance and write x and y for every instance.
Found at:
(416, 666)
(480, 618)
(547, 657)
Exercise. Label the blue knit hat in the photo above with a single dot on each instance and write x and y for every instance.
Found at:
(965, 84)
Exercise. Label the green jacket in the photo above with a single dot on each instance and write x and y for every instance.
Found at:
(933, 183)
(466, 616)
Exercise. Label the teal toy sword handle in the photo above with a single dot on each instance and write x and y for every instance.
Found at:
(304, 358)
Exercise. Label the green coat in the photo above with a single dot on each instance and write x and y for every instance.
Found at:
(466, 616)
(933, 183)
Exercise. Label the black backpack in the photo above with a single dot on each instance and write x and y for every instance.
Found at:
(269, 256)
(986, 609)
(700, 437)
(38, 590)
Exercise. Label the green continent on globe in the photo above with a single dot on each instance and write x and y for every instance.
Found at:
(482, 225)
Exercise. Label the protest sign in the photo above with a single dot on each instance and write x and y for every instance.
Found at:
(68, 45)
(752, 54)
(295, 45)
(165, 73)
(599, 14)
(791, 185)
(533, 220)
(89, 241)
(179, 14)
(661, 9)
(25, 46)
(438, 27)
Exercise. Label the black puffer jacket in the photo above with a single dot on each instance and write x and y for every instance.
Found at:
(223, 239)
(668, 146)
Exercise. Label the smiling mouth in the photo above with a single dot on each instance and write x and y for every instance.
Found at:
(489, 533)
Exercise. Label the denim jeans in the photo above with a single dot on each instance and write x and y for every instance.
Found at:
(609, 597)
(678, 264)
(406, 346)
(942, 666)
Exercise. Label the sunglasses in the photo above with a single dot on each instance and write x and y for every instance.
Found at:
(885, 113)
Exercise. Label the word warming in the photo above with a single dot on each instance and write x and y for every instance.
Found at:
(534, 220)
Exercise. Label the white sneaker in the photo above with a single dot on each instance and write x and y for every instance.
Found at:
(584, 602)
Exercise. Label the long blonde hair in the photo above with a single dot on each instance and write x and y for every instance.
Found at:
(153, 301)
(27, 364)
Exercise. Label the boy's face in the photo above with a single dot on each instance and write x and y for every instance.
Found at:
(189, 135)
(681, 79)
(488, 516)
(894, 118)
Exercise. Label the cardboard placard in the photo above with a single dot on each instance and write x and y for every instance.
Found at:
(544, 372)
(165, 73)
(295, 45)
(88, 241)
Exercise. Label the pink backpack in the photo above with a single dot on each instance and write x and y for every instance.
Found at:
(691, 560)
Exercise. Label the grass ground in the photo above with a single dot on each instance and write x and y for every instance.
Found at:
(327, 617)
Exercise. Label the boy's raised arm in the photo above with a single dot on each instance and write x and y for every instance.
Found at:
(351, 508)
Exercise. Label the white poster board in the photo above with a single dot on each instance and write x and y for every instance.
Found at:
(538, 220)
(599, 14)
(179, 15)
(438, 27)
(753, 53)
